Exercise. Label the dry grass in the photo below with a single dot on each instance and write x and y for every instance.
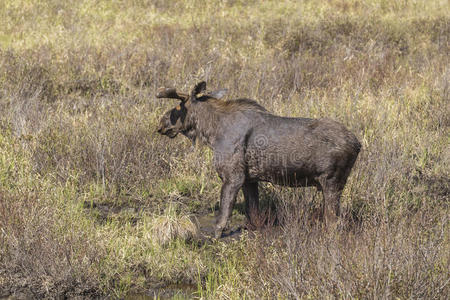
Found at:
(171, 225)
(85, 182)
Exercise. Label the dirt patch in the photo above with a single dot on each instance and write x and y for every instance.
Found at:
(169, 291)
(205, 219)
(19, 286)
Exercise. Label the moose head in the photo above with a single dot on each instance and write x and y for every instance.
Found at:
(179, 119)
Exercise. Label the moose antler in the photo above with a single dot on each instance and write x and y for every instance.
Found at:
(171, 93)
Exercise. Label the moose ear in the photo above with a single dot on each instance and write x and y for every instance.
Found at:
(199, 87)
(218, 94)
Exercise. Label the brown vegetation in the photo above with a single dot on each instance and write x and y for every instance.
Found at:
(83, 174)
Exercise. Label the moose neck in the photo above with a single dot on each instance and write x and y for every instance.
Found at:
(204, 120)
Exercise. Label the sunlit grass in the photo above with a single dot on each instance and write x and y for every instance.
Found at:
(93, 201)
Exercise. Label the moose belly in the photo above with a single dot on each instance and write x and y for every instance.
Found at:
(286, 170)
(292, 180)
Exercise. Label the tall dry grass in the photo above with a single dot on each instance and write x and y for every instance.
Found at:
(84, 177)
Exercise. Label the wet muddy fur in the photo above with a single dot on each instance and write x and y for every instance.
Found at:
(250, 145)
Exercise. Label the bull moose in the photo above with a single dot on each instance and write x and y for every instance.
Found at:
(251, 144)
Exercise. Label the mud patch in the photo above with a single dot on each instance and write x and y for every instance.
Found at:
(234, 231)
(205, 220)
(20, 286)
(107, 211)
(170, 291)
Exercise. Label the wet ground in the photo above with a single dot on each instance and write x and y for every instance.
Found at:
(206, 224)
(102, 211)
(204, 218)
(183, 291)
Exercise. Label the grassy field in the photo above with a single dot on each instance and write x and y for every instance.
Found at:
(93, 202)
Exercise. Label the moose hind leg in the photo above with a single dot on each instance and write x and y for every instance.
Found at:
(251, 197)
(331, 206)
(228, 195)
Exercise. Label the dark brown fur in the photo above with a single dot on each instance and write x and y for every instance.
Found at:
(250, 145)
(234, 105)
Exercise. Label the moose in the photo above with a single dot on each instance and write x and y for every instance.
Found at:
(250, 144)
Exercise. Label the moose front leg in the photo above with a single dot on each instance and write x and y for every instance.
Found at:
(251, 197)
(228, 195)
